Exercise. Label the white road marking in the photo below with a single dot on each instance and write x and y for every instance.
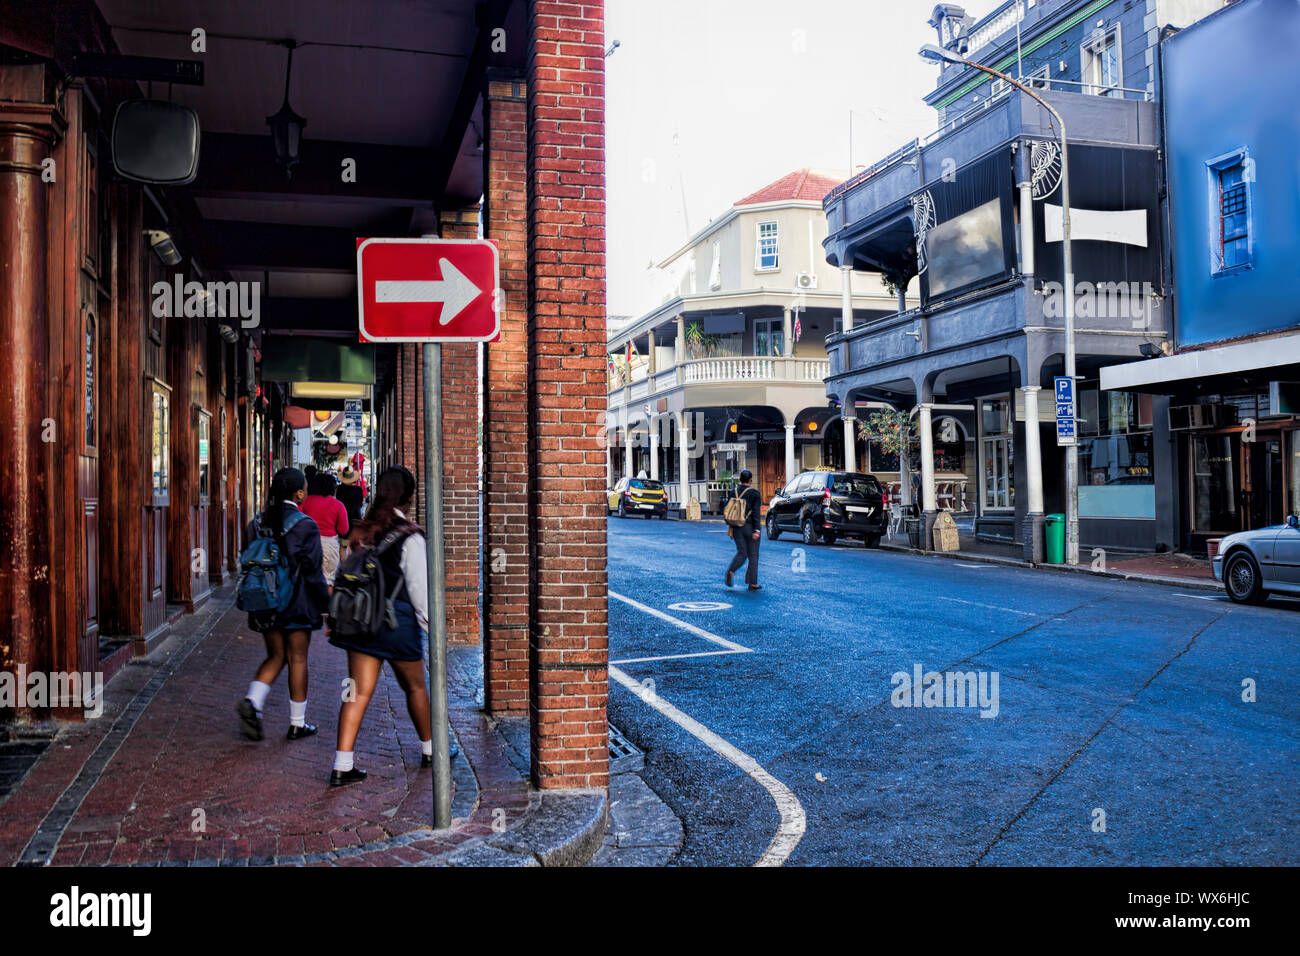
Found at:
(675, 657)
(961, 564)
(685, 625)
(1200, 597)
(793, 821)
(991, 607)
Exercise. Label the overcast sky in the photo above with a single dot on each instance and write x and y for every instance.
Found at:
(709, 100)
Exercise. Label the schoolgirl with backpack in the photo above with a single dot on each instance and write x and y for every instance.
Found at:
(379, 613)
(283, 589)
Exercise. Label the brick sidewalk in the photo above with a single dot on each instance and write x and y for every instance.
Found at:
(125, 788)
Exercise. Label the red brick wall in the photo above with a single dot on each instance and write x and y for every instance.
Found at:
(568, 638)
(505, 391)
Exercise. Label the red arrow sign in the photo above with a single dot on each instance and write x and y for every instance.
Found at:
(427, 290)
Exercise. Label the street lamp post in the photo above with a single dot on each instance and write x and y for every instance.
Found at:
(932, 52)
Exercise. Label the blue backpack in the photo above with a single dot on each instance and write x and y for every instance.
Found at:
(266, 581)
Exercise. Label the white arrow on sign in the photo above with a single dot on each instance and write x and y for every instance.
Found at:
(454, 290)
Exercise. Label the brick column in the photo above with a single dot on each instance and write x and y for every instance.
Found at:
(505, 408)
(568, 639)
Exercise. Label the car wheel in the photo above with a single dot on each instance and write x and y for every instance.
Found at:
(871, 541)
(1241, 579)
(809, 532)
(622, 508)
(773, 532)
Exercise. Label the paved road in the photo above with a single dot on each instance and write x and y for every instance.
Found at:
(1112, 697)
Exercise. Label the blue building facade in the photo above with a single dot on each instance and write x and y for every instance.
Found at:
(1233, 375)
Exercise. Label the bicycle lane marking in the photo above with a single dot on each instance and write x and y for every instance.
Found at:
(685, 625)
(793, 821)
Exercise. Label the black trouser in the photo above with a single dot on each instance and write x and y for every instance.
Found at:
(746, 550)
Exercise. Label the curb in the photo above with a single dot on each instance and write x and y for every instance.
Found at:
(1168, 581)
(561, 828)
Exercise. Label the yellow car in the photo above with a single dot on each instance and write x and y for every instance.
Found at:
(643, 496)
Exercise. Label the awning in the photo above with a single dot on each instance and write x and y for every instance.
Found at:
(1277, 356)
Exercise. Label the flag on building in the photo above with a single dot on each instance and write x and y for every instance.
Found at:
(798, 329)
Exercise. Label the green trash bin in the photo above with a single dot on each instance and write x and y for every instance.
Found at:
(1054, 533)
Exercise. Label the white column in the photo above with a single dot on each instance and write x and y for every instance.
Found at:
(1026, 229)
(627, 445)
(850, 440)
(846, 298)
(609, 464)
(1033, 450)
(927, 460)
(789, 452)
(654, 446)
(683, 461)
(787, 339)
(680, 344)
(651, 368)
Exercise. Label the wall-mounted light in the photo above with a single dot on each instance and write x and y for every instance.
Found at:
(160, 241)
(914, 333)
(228, 333)
(812, 426)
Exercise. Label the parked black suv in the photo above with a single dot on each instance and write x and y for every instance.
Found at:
(825, 505)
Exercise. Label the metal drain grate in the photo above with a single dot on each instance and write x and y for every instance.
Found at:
(624, 757)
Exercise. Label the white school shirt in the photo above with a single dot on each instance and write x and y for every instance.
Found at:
(415, 570)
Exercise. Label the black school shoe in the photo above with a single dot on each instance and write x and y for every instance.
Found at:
(339, 778)
(297, 733)
(426, 760)
(249, 722)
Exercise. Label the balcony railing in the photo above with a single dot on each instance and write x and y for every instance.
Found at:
(741, 368)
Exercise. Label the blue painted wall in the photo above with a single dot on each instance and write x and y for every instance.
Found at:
(1233, 81)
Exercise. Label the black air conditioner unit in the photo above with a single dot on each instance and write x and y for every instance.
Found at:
(1184, 417)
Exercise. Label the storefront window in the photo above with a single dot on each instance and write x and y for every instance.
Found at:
(158, 444)
(1293, 469)
(205, 435)
(997, 452)
(1116, 468)
(1215, 488)
(1116, 478)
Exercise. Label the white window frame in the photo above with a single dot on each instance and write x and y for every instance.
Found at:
(1041, 78)
(1215, 168)
(758, 246)
(715, 270)
(1090, 55)
(770, 327)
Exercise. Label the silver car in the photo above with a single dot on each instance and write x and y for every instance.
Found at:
(1255, 564)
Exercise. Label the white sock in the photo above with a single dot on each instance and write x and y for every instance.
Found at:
(343, 760)
(297, 713)
(257, 692)
(427, 747)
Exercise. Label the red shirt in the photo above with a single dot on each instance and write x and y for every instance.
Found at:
(328, 513)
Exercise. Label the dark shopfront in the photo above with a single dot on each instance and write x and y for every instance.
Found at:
(1239, 476)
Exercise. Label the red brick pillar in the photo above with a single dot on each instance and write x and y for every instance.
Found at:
(505, 407)
(568, 640)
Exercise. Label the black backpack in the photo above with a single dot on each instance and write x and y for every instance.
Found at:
(362, 602)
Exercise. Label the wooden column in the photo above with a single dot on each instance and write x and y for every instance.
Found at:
(29, 130)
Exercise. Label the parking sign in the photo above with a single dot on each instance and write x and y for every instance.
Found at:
(1064, 411)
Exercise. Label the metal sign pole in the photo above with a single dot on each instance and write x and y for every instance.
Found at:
(432, 355)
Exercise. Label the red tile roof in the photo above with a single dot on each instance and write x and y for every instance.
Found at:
(804, 184)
